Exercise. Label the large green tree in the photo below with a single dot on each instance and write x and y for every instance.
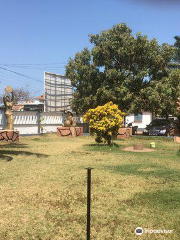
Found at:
(161, 96)
(119, 66)
(175, 63)
(177, 46)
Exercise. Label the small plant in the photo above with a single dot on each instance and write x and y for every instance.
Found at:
(104, 122)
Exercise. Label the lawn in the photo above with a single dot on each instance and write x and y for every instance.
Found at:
(43, 189)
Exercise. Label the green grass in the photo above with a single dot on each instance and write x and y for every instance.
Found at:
(43, 189)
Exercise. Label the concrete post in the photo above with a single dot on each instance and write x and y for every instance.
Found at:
(38, 122)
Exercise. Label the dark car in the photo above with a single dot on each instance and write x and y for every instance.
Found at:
(161, 127)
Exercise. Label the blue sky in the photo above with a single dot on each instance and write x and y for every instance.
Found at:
(48, 32)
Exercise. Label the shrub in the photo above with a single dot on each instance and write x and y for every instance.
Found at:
(104, 122)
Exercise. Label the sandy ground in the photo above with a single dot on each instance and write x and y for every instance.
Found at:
(131, 149)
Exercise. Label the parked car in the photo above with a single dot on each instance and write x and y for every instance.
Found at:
(161, 127)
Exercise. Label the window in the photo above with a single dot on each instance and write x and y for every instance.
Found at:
(138, 117)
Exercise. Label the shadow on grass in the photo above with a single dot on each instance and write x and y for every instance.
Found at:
(103, 147)
(14, 145)
(40, 139)
(3, 155)
(178, 153)
(153, 138)
(166, 200)
(146, 170)
(5, 158)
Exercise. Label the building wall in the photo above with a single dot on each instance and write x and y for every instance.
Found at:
(146, 119)
(32, 122)
(34, 129)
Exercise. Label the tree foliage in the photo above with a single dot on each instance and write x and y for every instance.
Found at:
(161, 97)
(177, 46)
(119, 68)
(104, 121)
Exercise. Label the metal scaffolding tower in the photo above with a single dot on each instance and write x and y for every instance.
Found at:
(58, 92)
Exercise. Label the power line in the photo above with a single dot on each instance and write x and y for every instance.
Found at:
(26, 64)
(20, 74)
(36, 68)
(31, 88)
(18, 82)
(5, 81)
(16, 77)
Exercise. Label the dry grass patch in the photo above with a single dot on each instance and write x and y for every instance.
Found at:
(43, 189)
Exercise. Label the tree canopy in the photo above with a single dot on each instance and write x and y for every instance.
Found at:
(121, 67)
(177, 46)
(160, 97)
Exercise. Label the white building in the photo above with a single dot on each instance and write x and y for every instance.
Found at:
(140, 120)
(31, 105)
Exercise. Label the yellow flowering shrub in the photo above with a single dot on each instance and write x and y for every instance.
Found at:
(104, 121)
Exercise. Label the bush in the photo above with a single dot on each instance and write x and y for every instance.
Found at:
(104, 122)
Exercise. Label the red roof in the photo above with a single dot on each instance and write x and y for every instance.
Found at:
(17, 107)
(41, 97)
